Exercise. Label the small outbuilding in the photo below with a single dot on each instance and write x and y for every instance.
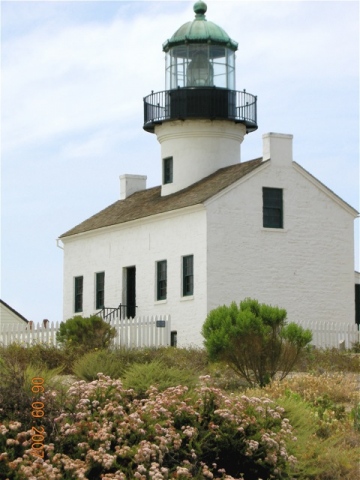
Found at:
(10, 317)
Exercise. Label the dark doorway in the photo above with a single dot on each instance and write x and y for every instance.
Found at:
(131, 292)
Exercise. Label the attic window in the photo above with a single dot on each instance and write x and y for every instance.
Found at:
(167, 170)
(272, 207)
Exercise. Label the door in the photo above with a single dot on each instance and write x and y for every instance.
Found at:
(131, 292)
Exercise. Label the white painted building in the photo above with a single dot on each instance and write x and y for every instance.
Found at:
(216, 230)
(10, 318)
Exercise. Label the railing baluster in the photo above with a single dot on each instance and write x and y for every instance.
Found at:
(110, 313)
(183, 103)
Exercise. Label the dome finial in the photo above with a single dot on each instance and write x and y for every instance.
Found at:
(200, 7)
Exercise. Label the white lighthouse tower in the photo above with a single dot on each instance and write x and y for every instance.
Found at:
(199, 119)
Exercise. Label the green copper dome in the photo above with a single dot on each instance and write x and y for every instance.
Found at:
(200, 30)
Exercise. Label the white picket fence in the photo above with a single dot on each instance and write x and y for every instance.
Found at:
(130, 332)
(332, 334)
(155, 332)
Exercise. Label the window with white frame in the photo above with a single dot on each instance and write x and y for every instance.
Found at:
(273, 207)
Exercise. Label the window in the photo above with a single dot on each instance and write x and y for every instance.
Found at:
(173, 338)
(272, 208)
(78, 297)
(161, 280)
(188, 276)
(167, 170)
(130, 291)
(100, 290)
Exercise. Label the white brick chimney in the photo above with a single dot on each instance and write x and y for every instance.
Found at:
(278, 148)
(130, 184)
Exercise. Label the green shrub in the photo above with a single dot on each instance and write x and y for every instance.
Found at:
(85, 333)
(140, 377)
(19, 354)
(52, 378)
(254, 340)
(190, 358)
(14, 400)
(48, 356)
(17, 396)
(116, 361)
(102, 361)
(127, 356)
(355, 415)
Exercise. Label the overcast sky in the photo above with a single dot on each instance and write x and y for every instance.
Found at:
(74, 75)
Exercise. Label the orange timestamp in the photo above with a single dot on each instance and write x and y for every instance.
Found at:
(37, 437)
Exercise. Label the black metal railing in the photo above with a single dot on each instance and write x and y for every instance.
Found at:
(120, 312)
(205, 102)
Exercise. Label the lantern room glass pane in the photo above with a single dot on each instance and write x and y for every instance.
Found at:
(200, 65)
(230, 69)
(200, 71)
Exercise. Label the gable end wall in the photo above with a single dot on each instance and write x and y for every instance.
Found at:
(307, 267)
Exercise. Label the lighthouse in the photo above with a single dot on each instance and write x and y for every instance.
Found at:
(200, 119)
(216, 229)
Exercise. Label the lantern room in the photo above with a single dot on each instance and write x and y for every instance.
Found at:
(200, 54)
(200, 78)
(200, 66)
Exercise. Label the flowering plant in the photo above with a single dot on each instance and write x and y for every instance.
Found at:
(105, 432)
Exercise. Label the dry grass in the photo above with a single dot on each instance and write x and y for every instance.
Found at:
(338, 387)
(323, 410)
(318, 360)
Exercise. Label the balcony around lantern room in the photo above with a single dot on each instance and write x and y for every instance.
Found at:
(211, 103)
(200, 83)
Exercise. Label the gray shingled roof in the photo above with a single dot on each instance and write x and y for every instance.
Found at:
(150, 202)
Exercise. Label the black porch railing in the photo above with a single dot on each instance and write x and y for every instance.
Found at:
(120, 312)
(205, 102)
